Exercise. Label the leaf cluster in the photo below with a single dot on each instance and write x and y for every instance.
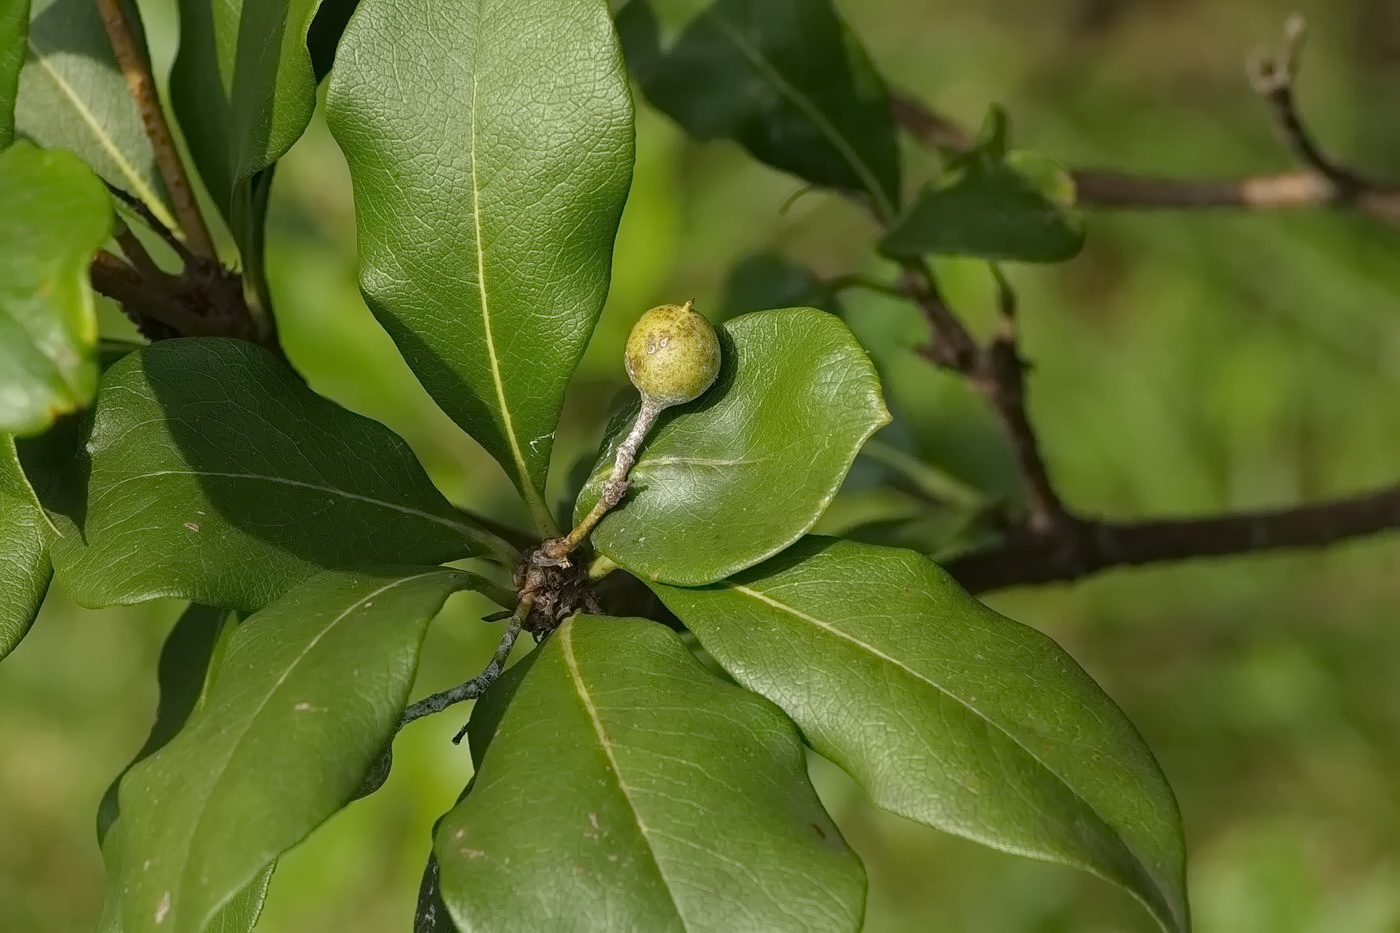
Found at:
(630, 772)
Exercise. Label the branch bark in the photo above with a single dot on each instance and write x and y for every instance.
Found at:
(142, 86)
(1089, 546)
(998, 372)
(1321, 182)
(114, 278)
(1052, 543)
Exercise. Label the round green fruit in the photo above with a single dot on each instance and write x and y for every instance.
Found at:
(672, 355)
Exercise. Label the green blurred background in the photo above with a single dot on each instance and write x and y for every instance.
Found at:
(1183, 363)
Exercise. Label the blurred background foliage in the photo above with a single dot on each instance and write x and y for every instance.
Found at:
(1183, 363)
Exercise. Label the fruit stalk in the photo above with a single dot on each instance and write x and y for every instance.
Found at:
(672, 358)
(616, 486)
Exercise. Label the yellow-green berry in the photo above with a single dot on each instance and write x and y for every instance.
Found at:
(672, 355)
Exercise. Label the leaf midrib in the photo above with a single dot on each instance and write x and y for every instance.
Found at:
(466, 531)
(830, 629)
(770, 71)
(527, 484)
(566, 641)
(138, 184)
(282, 678)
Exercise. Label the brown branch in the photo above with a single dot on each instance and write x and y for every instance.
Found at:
(114, 278)
(1322, 182)
(1273, 77)
(1001, 377)
(953, 346)
(998, 372)
(137, 72)
(135, 251)
(143, 210)
(1086, 547)
(1052, 544)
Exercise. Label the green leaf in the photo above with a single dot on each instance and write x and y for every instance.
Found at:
(54, 214)
(768, 280)
(24, 551)
(946, 712)
(628, 788)
(243, 88)
(430, 914)
(55, 465)
(188, 662)
(72, 96)
(14, 33)
(745, 470)
(784, 78)
(993, 204)
(234, 482)
(490, 156)
(308, 694)
(241, 914)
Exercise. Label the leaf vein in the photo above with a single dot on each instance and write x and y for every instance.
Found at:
(466, 531)
(139, 186)
(566, 638)
(961, 701)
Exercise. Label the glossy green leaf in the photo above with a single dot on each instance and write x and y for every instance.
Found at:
(308, 694)
(745, 470)
(54, 214)
(72, 96)
(947, 712)
(784, 78)
(24, 551)
(628, 788)
(491, 155)
(14, 33)
(216, 475)
(993, 204)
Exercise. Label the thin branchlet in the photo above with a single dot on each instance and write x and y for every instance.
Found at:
(479, 684)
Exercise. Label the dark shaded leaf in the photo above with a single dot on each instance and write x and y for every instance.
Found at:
(993, 204)
(187, 665)
(243, 87)
(430, 913)
(767, 280)
(784, 78)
